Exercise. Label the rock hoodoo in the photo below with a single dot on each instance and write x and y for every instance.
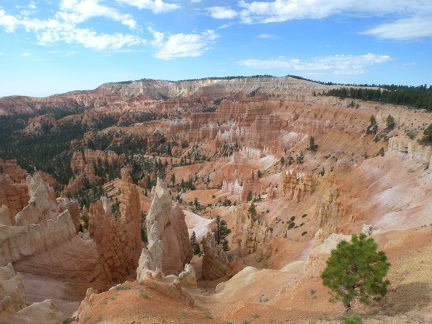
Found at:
(252, 236)
(168, 248)
(215, 261)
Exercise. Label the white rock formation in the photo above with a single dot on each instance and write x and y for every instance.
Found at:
(168, 248)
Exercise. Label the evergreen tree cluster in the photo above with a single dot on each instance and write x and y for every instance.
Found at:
(417, 97)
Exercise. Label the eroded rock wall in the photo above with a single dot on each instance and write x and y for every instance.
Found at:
(215, 262)
(296, 186)
(117, 237)
(39, 226)
(252, 236)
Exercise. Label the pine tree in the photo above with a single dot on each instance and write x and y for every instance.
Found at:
(312, 145)
(427, 135)
(390, 122)
(221, 232)
(252, 210)
(196, 248)
(193, 238)
(195, 244)
(249, 196)
(356, 271)
(373, 126)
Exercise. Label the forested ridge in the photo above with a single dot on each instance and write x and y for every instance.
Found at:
(417, 97)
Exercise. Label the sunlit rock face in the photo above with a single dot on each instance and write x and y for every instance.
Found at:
(168, 248)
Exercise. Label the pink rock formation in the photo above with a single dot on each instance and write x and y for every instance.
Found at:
(13, 190)
(118, 238)
(215, 261)
(83, 166)
(296, 186)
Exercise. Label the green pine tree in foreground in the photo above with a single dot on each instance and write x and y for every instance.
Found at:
(356, 271)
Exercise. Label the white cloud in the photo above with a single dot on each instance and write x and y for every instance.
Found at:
(404, 29)
(29, 9)
(182, 45)
(282, 10)
(337, 64)
(63, 27)
(89, 39)
(25, 54)
(266, 36)
(156, 6)
(76, 12)
(221, 12)
(412, 18)
(8, 22)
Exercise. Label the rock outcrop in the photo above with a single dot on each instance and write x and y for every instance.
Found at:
(84, 164)
(118, 237)
(11, 291)
(296, 186)
(45, 242)
(252, 236)
(329, 212)
(215, 262)
(14, 194)
(39, 226)
(13, 306)
(187, 277)
(42, 205)
(168, 248)
(406, 147)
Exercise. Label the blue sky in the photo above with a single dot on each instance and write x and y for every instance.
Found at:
(49, 47)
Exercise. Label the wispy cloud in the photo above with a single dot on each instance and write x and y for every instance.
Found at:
(29, 9)
(266, 36)
(221, 12)
(75, 12)
(412, 19)
(156, 6)
(283, 10)
(337, 64)
(404, 29)
(182, 45)
(90, 39)
(64, 26)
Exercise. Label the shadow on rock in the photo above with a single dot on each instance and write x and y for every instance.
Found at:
(408, 297)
